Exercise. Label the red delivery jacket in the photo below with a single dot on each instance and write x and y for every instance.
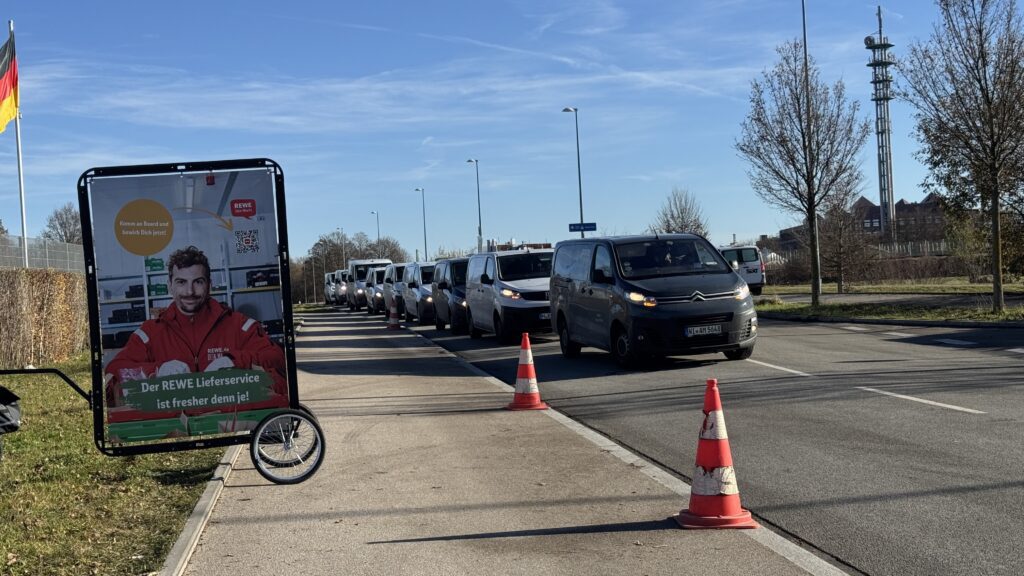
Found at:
(213, 331)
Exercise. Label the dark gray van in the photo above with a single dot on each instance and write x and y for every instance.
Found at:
(449, 293)
(656, 295)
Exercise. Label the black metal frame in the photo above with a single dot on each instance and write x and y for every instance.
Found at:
(97, 397)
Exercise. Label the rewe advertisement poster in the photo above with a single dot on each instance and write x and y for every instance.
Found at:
(190, 303)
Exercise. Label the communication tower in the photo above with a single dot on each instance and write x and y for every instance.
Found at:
(882, 81)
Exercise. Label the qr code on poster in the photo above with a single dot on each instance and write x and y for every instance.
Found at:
(247, 241)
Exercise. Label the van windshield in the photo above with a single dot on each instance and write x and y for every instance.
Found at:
(459, 273)
(361, 270)
(526, 265)
(399, 271)
(427, 274)
(668, 258)
(378, 277)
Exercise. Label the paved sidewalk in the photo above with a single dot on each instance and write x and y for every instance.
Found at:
(427, 474)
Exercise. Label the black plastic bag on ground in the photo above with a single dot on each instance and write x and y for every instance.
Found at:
(10, 411)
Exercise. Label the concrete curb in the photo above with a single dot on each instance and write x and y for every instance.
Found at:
(765, 536)
(177, 558)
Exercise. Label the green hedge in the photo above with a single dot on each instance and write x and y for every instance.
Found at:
(44, 316)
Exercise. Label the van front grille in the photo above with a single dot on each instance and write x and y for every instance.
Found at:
(534, 296)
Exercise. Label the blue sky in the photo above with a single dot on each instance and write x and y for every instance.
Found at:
(363, 102)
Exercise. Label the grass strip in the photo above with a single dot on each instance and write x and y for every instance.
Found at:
(896, 311)
(951, 285)
(66, 509)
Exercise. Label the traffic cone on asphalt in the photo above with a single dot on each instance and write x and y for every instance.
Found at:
(527, 395)
(714, 496)
(393, 317)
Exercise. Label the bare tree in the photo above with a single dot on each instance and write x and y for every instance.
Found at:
(64, 225)
(846, 251)
(967, 84)
(680, 213)
(389, 248)
(3, 231)
(798, 162)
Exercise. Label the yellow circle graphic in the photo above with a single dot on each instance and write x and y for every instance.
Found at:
(144, 227)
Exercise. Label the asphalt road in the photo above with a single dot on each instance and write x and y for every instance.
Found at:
(928, 482)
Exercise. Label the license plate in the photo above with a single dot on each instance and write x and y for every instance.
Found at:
(545, 315)
(703, 330)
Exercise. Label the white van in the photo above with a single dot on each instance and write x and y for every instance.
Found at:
(329, 288)
(507, 293)
(357, 270)
(749, 265)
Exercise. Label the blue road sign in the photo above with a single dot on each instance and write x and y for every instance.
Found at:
(583, 227)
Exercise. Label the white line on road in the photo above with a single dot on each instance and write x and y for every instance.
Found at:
(791, 371)
(955, 342)
(898, 334)
(921, 400)
(1017, 350)
(854, 328)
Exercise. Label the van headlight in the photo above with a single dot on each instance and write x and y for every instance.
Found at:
(641, 299)
(430, 299)
(359, 291)
(510, 294)
(741, 293)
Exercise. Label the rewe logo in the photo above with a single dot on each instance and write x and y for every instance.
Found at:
(243, 208)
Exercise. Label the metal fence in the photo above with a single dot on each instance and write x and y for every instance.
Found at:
(894, 250)
(42, 253)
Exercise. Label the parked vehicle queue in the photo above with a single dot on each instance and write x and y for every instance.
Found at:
(636, 297)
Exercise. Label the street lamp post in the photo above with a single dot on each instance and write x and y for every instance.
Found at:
(377, 214)
(579, 171)
(423, 198)
(479, 218)
(312, 264)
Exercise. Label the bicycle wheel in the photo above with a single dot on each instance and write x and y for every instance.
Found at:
(287, 447)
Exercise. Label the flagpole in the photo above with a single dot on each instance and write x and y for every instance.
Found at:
(21, 177)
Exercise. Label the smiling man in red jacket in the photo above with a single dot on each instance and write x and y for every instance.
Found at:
(196, 334)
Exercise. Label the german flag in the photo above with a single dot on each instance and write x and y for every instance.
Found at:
(8, 83)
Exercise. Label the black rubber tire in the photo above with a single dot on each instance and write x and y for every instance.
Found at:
(474, 332)
(569, 348)
(269, 436)
(438, 323)
(502, 332)
(741, 354)
(456, 326)
(622, 348)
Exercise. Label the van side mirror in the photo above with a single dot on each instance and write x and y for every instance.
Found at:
(485, 279)
(442, 285)
(411, 284)
(600, 277)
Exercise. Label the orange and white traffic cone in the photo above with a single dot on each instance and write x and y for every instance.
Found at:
(714, 496)
(527, 395)
(393, 317)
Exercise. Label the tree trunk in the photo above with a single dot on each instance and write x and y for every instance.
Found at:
(998, 304)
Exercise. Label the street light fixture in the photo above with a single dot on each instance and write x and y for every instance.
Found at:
(479, 219)
(377, 214)
(579, 172)
(423, 198)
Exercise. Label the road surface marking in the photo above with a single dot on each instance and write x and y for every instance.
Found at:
(898, 334)
(921, 400)
(854, 328)
(766, 537)
(791, 371)
(955, 342)
(1017, 350)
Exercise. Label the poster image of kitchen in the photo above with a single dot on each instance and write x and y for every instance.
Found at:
(190, 303)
